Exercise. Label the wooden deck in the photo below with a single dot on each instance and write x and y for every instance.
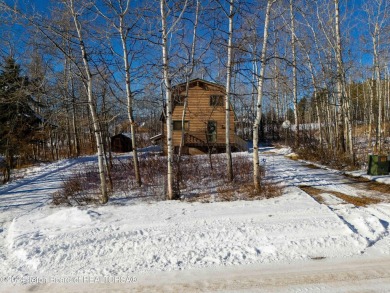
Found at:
(238, 144)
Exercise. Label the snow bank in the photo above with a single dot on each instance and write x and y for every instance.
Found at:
(385, 179)
(114, 240)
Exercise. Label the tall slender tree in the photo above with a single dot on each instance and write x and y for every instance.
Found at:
(118, 16)
(87, 77)
(165, 32)
(259, 102)
(228, 92)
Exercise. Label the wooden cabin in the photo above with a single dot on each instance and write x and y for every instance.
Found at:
(204, 121)
(121, 143)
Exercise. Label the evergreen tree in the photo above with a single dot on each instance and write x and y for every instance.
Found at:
(17, 119)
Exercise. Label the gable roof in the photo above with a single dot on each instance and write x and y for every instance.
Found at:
(199, 82)
(123, 134)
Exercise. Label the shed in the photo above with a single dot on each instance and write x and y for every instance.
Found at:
(121, 143)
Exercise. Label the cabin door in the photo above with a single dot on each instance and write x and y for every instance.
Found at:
(212, 131)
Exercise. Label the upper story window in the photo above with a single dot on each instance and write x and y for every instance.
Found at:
(216, 100)
(177, 125)
(178, 100)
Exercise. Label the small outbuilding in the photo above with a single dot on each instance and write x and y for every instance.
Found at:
(121, 143)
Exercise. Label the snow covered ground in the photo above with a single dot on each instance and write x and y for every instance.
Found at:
(185, 246)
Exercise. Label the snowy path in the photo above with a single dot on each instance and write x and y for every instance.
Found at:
(23, 196)
(179, 240)
(370, 223)
(35, 189)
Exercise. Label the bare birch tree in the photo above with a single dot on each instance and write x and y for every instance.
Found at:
(88, 82)
(121, 10)
(229, 166)
(341, 83)
(294, 72)
(189, 70)
(260, 84)
(165, 32)
(377, 19)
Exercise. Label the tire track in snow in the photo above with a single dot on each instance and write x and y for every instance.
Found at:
(369, 225)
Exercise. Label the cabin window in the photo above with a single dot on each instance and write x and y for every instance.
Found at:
(177, 125)
(211, 131)
(178, 100)
(216, 100)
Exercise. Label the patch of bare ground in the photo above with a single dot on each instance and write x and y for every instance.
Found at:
(248, 192)
(360, 201)
(292, 156)
(313, 192)
(312, 166)
(235, 191)
(372, 185)
(204, 197)
(267, 153)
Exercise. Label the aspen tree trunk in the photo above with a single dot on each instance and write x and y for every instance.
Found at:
(348, 123)
(365, 107)
(371, 112)
(168, 94)
(68, 131)
(74, 122)
(168, 100)
(378, 140)
(294, 68)
(68, 68)
(188, 77)
(325, 102)
(260, 84)
(316, 97)
(386, 105)
(129, 94)
(344, 102)
(106, 140)
(333, 120)
(229, 166)
(276, 82)
(91, 104)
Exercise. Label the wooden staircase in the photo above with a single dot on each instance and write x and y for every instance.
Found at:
(238, 144)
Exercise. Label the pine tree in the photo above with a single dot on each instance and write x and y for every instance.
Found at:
(17, 119)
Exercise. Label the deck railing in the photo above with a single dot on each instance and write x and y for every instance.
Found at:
(190, 139)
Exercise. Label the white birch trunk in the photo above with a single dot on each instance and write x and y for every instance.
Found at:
(371, 111)
(168, 100)
(259, 103)
(129, 94)
(91, 104)
(378, 141)
(294, 68)
(188, 77)
(229, 166)
(341, 93)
